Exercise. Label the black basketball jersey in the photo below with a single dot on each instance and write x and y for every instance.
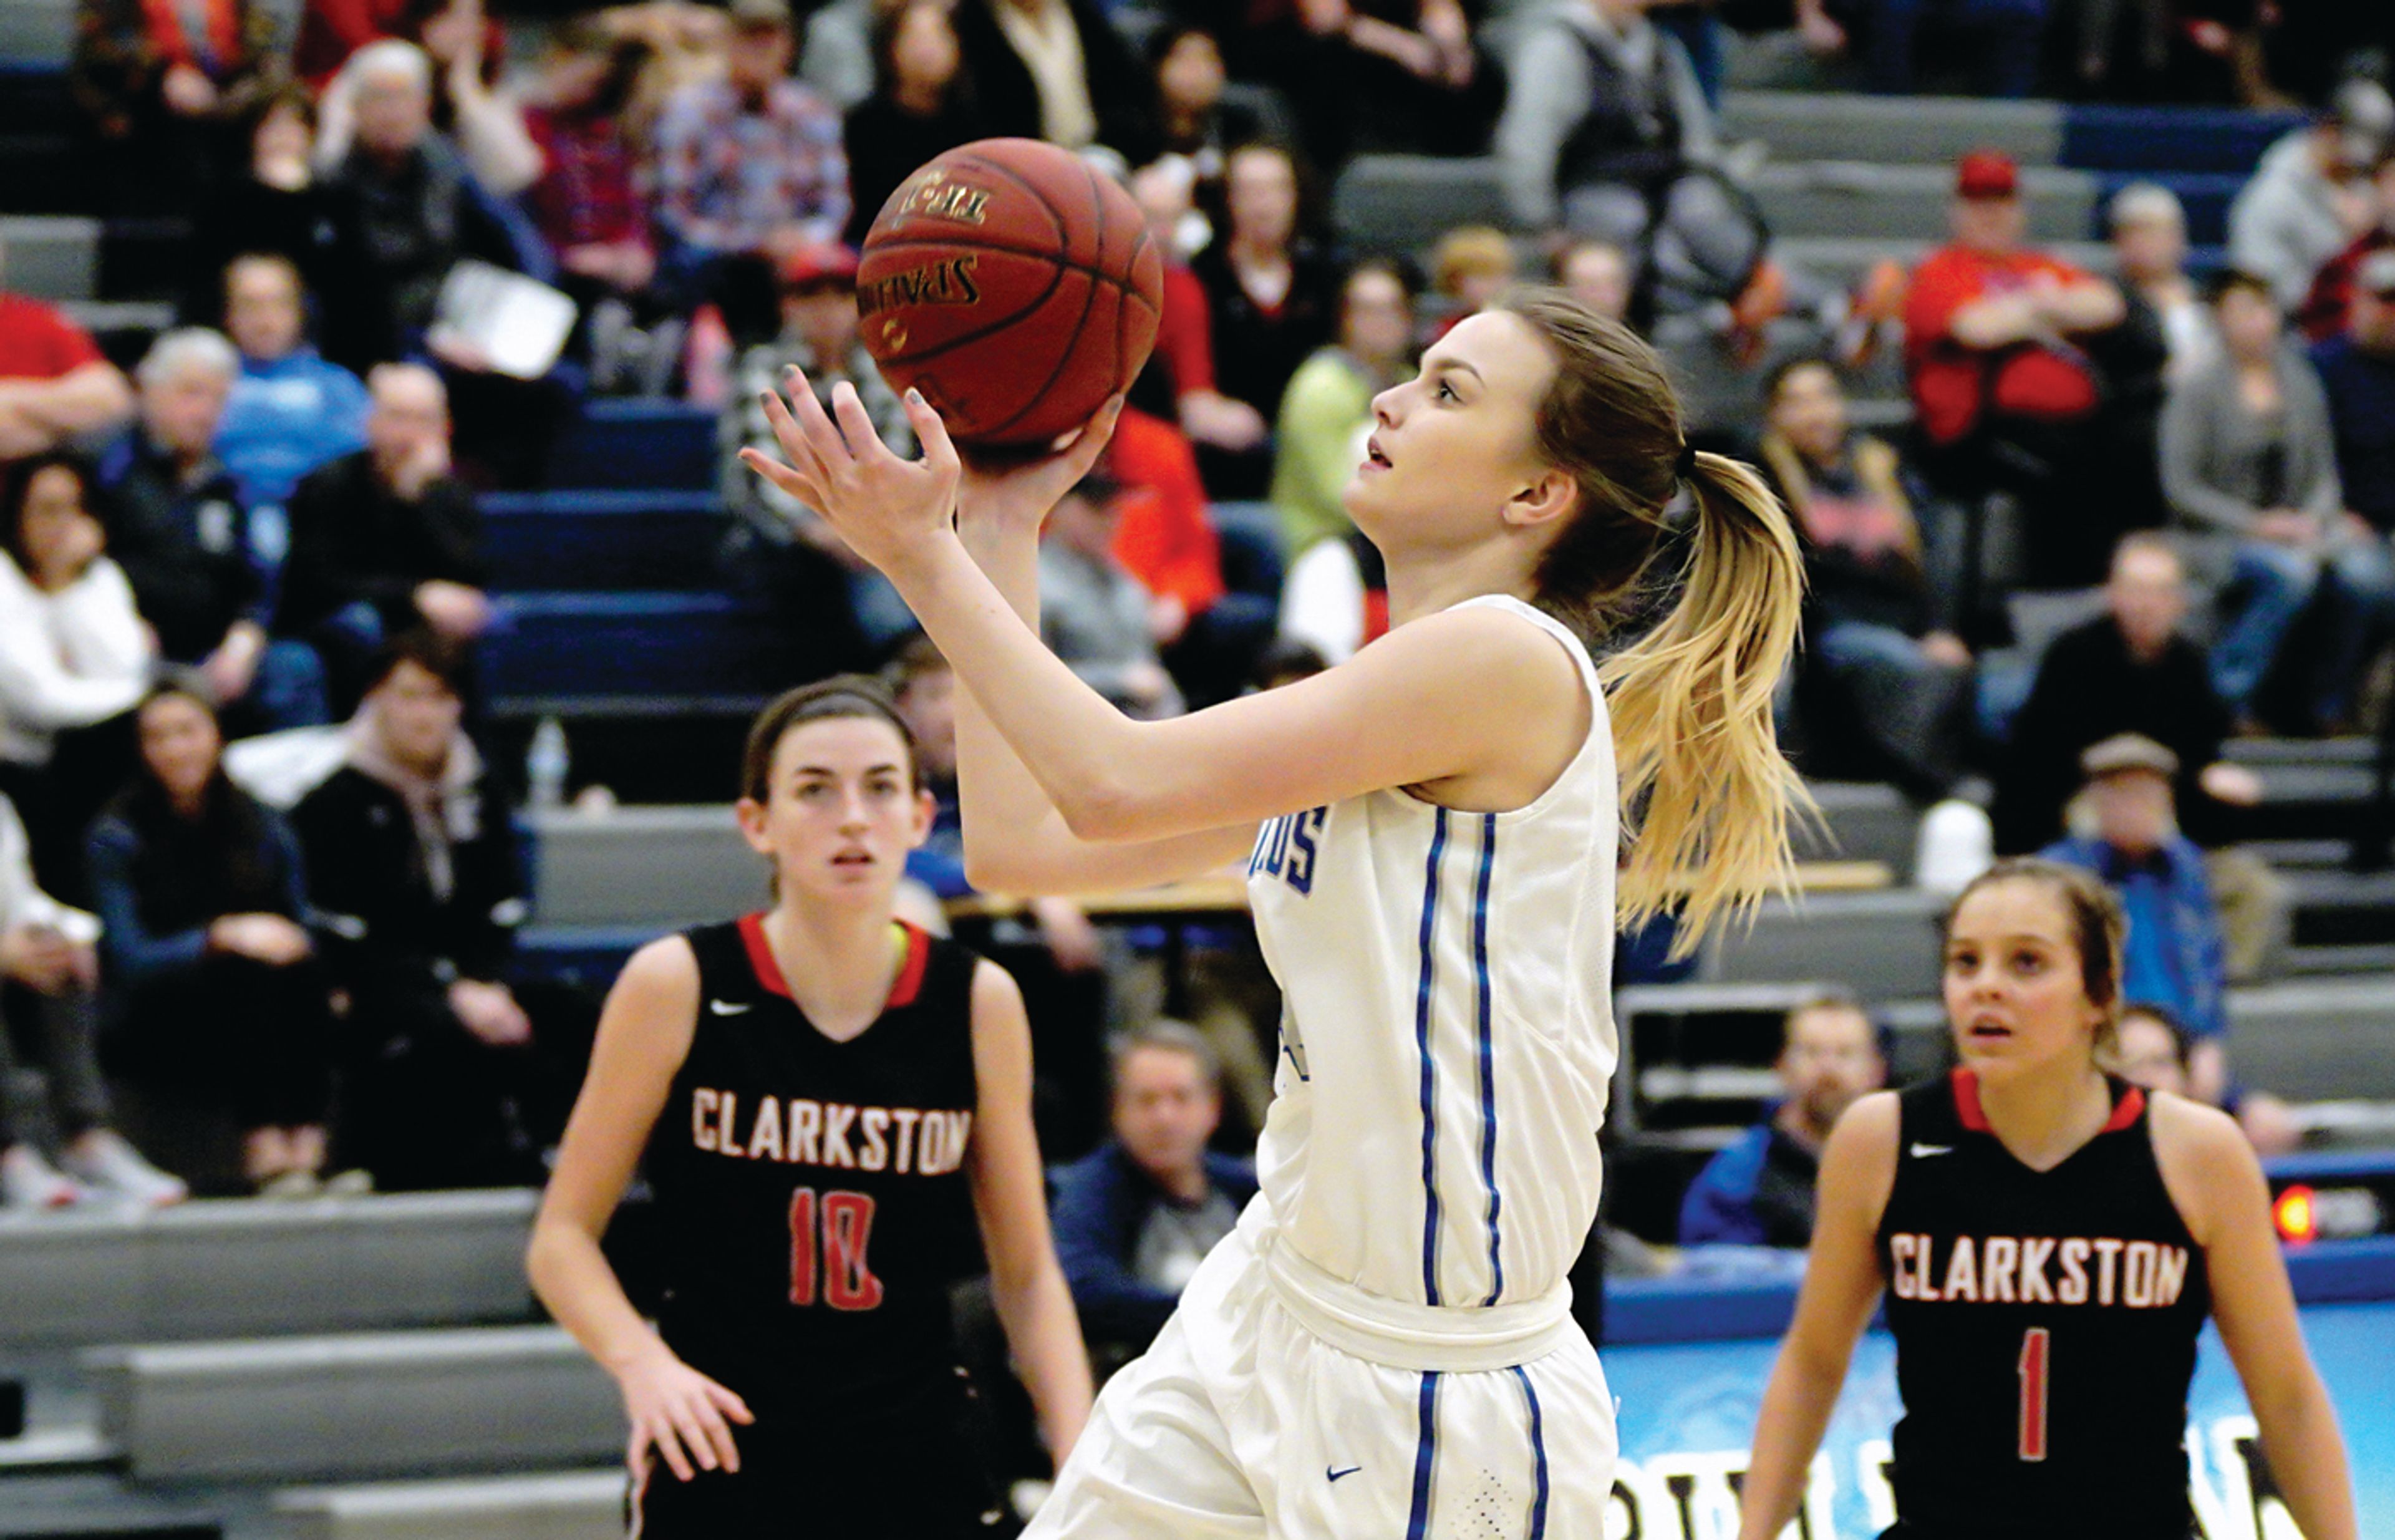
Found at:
(2045, 1325)
(811, 1193)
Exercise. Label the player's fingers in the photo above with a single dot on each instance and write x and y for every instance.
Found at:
(798, 484)
(718, 1433)
(1095, 438)
(733, 1407)
(660, 1433)
(805, 415)
(932, 432)
(688, 1424)
(856, 424)
(798, 446)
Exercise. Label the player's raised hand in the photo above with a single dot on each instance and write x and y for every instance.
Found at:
(685, 1415)
(1015, 492)
(884, 507)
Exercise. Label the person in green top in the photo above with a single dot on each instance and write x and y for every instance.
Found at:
(1328, 409)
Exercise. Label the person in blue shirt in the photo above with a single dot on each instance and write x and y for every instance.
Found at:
(290, 411)
(1759, 1191)
(1135, 1216)
(2173, 954)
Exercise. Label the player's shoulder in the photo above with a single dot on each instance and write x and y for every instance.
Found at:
(669, 963)
(1874, 1118)
(1475, 644)
(2201, 1139)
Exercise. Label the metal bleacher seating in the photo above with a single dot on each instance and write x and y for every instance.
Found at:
(568, 1505)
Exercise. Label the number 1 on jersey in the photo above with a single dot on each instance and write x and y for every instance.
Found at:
(846, 1225)
(2036, 1373)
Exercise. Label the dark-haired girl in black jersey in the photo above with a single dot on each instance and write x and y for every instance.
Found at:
(2049, 1240)
(827, 1098)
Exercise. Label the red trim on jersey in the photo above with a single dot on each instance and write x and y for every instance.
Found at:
(909, 982)
(1975, 1117)
(761, 956)
(902, 990)
(2127, 1112)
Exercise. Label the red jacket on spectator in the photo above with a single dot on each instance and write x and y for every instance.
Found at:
(1185, 334)
(1953, 385)
(2326, 309)
(37, 342)
(1165, 537)
(584, 195)
(331, 29)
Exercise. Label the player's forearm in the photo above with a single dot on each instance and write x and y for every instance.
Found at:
(1795, 1410)
(1008, 819)
(580, 1290)
(1045, 1335)
(2307, 1455)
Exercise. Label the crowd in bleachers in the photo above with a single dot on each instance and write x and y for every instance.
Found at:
(240, 712)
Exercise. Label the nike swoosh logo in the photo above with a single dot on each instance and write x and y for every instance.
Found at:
(725, 1007)
(1922, 1150)
(1330, 1475)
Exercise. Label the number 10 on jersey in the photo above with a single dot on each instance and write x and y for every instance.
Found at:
(830, 1237)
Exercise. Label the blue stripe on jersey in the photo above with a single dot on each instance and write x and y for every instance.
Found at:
(1488, 1050)
(1425, 1454)
(1429, 1081)
(1538, 1456)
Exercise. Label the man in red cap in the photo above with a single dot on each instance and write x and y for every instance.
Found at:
(1994, 329)
(840, 613)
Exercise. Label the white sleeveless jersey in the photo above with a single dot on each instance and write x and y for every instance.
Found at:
(1446, 1029)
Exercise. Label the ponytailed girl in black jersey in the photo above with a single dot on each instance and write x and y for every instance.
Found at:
(2050, 1239)
(827, 1098)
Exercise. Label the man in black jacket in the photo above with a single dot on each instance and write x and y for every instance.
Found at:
(386, 539)
(413, 863)
(2128, 670)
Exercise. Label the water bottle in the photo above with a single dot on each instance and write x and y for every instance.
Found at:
(546, 764)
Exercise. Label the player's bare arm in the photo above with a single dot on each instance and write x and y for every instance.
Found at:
(1010, 1199)
(1842, 1286)
(2218, 1186)
(643, 1035)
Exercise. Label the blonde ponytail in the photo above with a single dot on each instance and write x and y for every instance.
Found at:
(1705, 793)
(1696, 751)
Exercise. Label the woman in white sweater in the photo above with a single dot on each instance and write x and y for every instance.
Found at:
(75, 657)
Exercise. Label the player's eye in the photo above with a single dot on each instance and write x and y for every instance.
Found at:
(1446, 392)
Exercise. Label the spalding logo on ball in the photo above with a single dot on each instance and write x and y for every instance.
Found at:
(1013, 284)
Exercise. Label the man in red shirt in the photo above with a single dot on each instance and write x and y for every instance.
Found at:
(54, 384)
(1993, 330)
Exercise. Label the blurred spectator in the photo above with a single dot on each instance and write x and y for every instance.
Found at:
(746, 168)
(836, 53)
(2131, 669)
(2003, 392)
(2150, 242)
(1893, 675)
(1136, 1215)
(332, 31)
(178, 525)
(2165, 335)
(290, 411)
(837, 612)
(163, 88)
(1273, 298)
(2307, 200)
(1337, 597)
(386, 539)
(1059, 960)
(2150, 1048)
(412, 862)
(1328, 410)
(2357, 372)
(2329, 306)
(52, 973)
(1055, 70)
(1093, 614)
(1598, 275)
(2172, 954)
(74, 656)
(405, 209)
(1287, 662)
(54, 386)
(585, 202)
(272, 203)
(1470, 266)
(471, 105)
(2249, 465)
(1397, 77)
(921, 104)
(1192, 119)
(216, 995)
(1210, 635)
(1179, 379)
(1759, 1191)
(1607, 134)
(1995, 40)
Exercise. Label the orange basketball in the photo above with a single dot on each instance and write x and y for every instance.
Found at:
(1013, 284)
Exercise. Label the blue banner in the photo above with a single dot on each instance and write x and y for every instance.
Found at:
(1688, 1410)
